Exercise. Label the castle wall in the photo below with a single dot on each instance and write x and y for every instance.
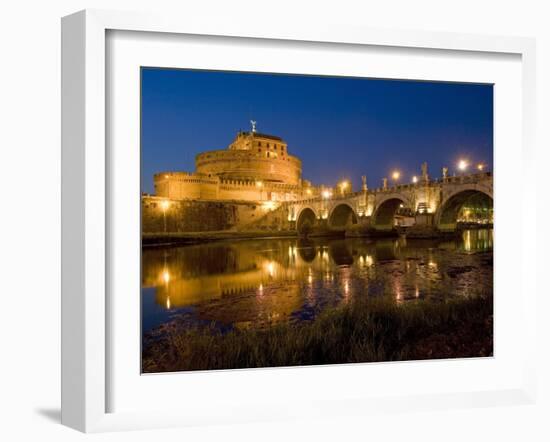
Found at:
(186, 216)
(261, 164)
(181, 186)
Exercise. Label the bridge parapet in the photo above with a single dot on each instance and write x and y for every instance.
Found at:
(435, 182)
(434, 202)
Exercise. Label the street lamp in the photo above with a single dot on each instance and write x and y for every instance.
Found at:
(462, 165)
(415, 179)
(395, 175)
(480, 167)
(326, 194)
(343, 186)
(164, 205)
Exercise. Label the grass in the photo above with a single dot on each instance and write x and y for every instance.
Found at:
(372, 330)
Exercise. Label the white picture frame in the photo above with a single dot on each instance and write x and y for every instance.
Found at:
(85, 308)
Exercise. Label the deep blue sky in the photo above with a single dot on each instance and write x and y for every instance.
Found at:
(339, 127)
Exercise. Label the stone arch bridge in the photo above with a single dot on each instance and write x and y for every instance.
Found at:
(429, 206)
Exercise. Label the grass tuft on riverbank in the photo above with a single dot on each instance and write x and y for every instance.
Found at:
(372, 330)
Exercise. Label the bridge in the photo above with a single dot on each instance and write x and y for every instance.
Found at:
(428, 205)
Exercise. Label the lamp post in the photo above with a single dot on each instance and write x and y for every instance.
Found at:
(463, 165)
(343, 187)
(395, 175)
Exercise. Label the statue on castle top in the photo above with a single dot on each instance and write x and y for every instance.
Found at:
(253, 123)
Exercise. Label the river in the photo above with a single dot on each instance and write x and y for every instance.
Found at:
(256, 283)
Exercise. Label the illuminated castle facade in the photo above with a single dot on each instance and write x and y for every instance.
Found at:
(254, 167)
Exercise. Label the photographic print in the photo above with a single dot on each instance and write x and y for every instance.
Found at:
(298, 220)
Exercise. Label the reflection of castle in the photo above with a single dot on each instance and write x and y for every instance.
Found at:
(255, 167)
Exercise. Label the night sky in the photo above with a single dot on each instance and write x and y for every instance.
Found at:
(339, 127)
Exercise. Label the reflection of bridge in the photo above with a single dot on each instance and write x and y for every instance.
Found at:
(432, 204)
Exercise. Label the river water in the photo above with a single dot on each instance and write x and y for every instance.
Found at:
(256, 283)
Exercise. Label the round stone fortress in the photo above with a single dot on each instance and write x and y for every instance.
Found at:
(254, 167)
(252, 156)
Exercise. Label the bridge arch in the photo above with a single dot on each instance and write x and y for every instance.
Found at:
(342, 215)
(384, 213)
(306, 220)
(446, 217)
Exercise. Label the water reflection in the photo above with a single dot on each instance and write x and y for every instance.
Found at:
(256, 283)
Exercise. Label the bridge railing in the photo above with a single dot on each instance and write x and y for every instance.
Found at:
(457, 179)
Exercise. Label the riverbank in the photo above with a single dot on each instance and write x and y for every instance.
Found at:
(371, 330)
(160, 239)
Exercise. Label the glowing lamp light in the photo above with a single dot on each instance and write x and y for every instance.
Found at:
(326, 194)
(259, 183)
(462, 165)
(166, 276)
(480, 167)
(395, 175)
(269, 205)
(165, 205)
(415, 179)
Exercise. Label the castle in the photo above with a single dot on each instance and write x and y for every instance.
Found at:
(254, 167)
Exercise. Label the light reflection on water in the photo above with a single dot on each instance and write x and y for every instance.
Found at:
(258, 282)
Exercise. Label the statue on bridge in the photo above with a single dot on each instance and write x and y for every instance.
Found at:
(384, 183)
(364, 181)
(445, 172)
(424, 168)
